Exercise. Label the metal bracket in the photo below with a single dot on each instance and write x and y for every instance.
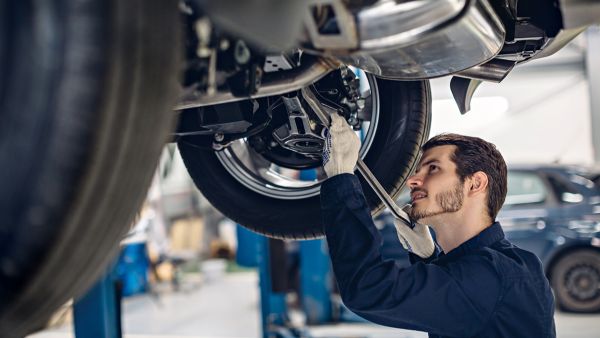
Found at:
(463, 90)
(299, 135)
(347, 34)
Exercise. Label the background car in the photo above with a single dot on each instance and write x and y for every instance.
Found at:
(554, 212)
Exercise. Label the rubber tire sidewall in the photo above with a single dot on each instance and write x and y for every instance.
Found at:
(558, 274)
(404, 121)
(88, 105)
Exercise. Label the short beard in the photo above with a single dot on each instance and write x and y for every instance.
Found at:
(449, 201)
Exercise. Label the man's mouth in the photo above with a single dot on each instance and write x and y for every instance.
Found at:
(417, 195)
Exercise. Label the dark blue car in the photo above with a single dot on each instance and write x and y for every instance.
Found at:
(554, 212)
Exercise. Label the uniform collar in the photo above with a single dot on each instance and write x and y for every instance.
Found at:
(487, 237)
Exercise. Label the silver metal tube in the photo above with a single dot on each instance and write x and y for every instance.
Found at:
(383, 195)
(323, 116)
(494, 70)
(273, 84)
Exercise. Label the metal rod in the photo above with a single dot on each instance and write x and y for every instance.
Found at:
(381, 193)
(323, 115)
(276, 83)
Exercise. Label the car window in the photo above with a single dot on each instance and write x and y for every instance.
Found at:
(590, 182)
(596, 179)
(525, 188)
(565, 193)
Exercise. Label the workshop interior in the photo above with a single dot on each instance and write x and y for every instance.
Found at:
(161, 160)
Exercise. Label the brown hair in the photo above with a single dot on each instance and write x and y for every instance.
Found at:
(473, 154)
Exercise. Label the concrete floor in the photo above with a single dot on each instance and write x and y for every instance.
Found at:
(228, 307)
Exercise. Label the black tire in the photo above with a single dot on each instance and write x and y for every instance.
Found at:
(403, 126)
(85, 109)
(576, 281)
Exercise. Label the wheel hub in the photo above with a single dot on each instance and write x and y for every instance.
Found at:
(583, 282)
(279, 162)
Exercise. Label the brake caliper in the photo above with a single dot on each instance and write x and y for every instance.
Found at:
(300, 134)
(340, 90)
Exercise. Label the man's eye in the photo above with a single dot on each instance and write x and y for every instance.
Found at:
(433, 167)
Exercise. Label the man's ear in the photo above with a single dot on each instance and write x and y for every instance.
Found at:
(478, 182)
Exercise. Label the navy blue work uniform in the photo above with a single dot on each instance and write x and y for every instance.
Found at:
(486, 287)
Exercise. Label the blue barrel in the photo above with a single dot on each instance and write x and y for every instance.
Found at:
(132, 268)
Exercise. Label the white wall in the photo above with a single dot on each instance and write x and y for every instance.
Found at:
(537, 114)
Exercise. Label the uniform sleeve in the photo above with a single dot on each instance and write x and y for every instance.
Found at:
(455, 299)
(413, 259)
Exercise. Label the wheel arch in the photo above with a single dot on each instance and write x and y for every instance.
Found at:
(557, 255)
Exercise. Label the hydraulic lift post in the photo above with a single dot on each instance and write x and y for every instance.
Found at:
(315, 289)
(268, 255)
(316, 281)
(98, 312)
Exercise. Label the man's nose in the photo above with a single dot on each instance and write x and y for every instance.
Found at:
(414, 181)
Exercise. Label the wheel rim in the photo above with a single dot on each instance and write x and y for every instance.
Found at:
(583, 282)
(266, 178)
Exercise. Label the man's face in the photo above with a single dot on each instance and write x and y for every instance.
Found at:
(435, 187)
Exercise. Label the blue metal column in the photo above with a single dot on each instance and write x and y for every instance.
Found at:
(98, 313)
(273, 305)
(248, 246)
(254, 251)
(316, 281)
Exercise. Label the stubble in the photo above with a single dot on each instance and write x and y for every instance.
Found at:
(448, 201)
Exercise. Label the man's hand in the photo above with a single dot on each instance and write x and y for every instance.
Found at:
(416, 240)
(341, 148)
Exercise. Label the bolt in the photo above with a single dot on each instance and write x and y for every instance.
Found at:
(241, 52)
(360, 103)
(224, 44)
(219, 137)
(203, 30)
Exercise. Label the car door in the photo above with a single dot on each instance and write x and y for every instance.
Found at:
(529, 207)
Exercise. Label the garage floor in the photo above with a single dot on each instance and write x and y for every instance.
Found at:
(228, 308)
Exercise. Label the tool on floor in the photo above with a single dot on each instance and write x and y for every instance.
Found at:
(323, 113)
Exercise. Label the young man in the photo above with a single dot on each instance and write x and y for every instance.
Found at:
(477, 285)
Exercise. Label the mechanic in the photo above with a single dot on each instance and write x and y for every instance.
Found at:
(472, 283)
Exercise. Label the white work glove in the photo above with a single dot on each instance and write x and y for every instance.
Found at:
(416, 240)
(340, 152)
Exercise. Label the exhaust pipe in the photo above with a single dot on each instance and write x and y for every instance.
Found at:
(411, 40)
(277, 83)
